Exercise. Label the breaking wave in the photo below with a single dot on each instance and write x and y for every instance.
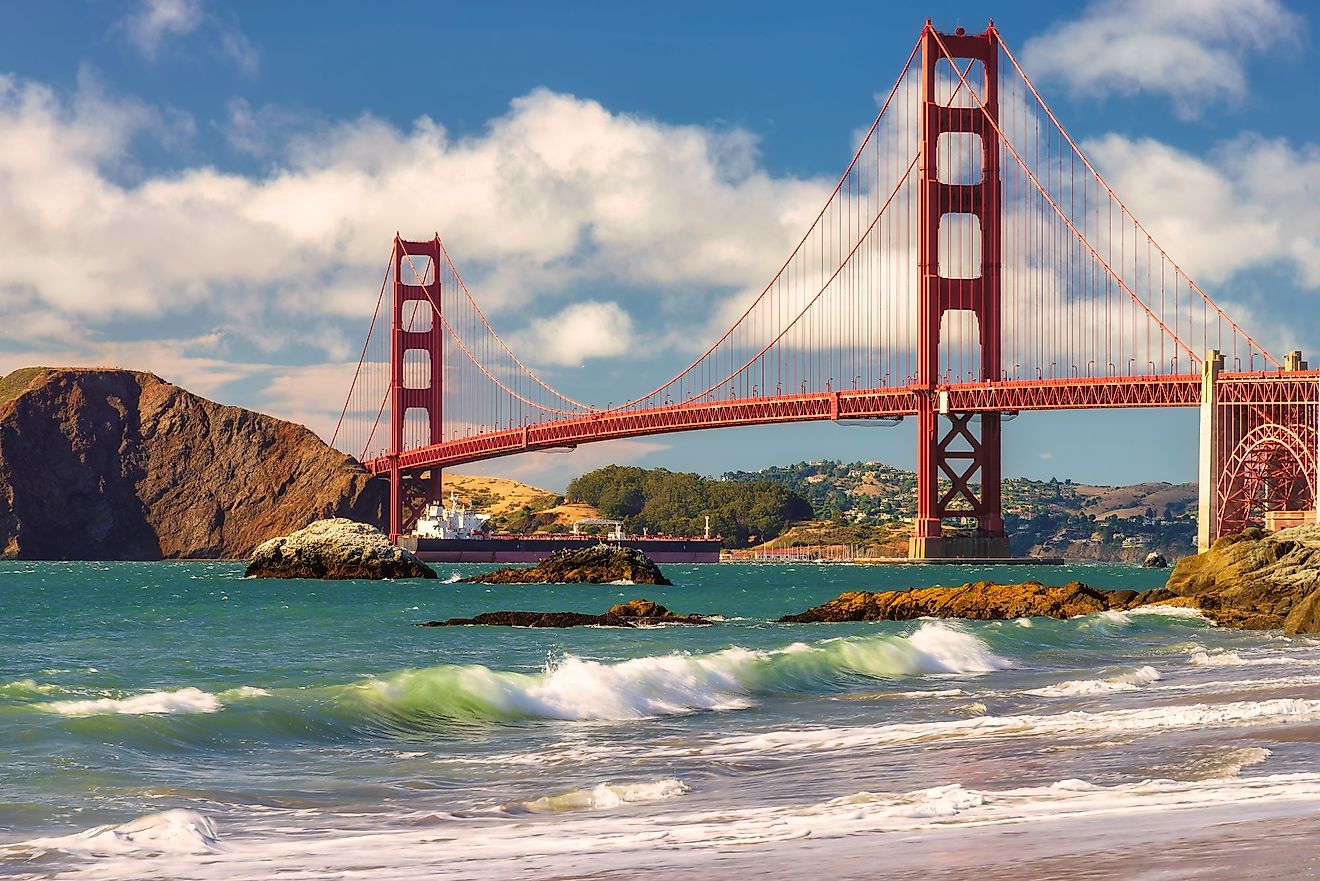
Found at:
(666, 685)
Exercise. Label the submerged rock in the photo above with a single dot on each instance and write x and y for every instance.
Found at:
(980, 600)
(634, 613)
(337, 548)
(1155, 560)
(1256, 579)
(601, 564)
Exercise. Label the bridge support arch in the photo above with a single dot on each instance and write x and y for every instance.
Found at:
(1258, 450)
(958, 454)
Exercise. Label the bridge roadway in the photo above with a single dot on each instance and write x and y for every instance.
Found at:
(1182, 390)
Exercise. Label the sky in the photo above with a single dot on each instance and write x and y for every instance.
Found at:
(209, 191)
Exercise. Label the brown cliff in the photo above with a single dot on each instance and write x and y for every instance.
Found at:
(120, 465)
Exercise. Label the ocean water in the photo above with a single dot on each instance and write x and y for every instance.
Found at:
(175, 721)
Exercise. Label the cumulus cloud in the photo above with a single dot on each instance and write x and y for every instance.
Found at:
(1249, 203)
(553, 197)
(577, 333)
(1193, 51)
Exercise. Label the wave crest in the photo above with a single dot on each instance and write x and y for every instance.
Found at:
(154, 703)
(576, 689)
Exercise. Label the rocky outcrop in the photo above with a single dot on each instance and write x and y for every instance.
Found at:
(336, 548)
(1253, 580)
(601, 564)
(113, 464)
(981, 601)
(1256, 579)
(1155, 560)
(634, 613)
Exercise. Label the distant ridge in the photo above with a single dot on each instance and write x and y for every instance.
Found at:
(103, 464)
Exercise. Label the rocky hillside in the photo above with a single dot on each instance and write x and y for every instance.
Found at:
(118, 465)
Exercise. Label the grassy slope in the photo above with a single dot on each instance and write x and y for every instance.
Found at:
(15, 383)
(505, 499)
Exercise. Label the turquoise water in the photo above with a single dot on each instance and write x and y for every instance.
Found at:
(221, 727)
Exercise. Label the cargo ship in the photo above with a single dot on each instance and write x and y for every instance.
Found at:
(454, 533)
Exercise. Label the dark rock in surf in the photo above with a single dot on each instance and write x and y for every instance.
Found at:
(601, 564)
(634, 613)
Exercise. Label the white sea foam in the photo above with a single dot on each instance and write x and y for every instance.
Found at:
(185, 700)
(629, 842)
(606, 796)
(452, 578)
(1053, 725)
(1202, 657)
(176, 831)
(1129, 680)
(1182, 612)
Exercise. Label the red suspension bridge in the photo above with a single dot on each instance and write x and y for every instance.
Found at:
(970, 264)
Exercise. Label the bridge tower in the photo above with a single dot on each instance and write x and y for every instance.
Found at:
(963, 448)
(415, 329)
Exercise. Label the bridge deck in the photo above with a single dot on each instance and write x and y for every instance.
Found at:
(1049, 394)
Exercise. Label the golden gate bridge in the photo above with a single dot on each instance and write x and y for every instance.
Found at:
(970, 264)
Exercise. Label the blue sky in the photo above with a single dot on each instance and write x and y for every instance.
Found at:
(208, 191)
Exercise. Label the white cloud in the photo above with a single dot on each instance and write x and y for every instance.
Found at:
(577, 333)
(1250, 203)
(1193, 51)
(153, 22)
(558, 188)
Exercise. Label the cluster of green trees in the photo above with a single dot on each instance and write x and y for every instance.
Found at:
(677, 503)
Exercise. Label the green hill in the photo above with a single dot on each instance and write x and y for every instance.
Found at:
(677, 503)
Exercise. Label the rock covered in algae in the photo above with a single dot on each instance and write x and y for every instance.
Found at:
(634, 613)
(337, 548)
(600, 564)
